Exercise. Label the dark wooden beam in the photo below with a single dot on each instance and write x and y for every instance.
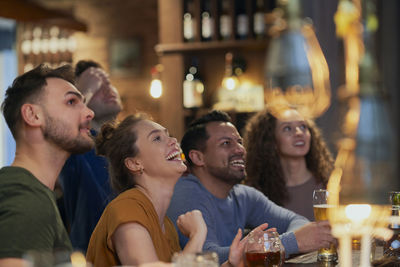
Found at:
(29, 11)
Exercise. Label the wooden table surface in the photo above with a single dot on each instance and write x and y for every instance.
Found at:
(310, 259)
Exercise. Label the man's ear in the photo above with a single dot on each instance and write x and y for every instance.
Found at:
(32, 114)
(133, 164)
(197, 157)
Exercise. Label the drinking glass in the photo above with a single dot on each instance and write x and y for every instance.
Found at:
(320, 204)
(264, 249)
(201, 259)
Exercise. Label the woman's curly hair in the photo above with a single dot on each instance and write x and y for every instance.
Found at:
(264, 170)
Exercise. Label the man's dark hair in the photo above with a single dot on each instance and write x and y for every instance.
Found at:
(28, 88)
(196, 136)
(83, 65)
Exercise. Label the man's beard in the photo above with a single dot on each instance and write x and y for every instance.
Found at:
(227, 175)
(55, 132)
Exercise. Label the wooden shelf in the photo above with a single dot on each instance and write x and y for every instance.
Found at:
(169, 48)
(175, 55)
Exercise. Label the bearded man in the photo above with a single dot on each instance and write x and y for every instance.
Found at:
(215, 155)
(49, 120)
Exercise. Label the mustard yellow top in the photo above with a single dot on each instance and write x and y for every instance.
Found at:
(130, 206)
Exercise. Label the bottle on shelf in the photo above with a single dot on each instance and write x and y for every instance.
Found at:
(230, 80)
(391, 247)
(225, 20)
(189, 21)
(193, 87)
(258, 20)
(242, 20)
(207, 21)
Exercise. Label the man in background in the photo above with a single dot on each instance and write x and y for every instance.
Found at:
(215, 154)
(84, 178)
(49, 120)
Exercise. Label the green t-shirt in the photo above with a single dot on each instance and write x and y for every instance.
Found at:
(29, 218)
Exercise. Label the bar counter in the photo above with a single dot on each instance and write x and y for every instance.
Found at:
(310, 259)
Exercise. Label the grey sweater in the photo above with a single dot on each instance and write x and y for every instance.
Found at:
(245, 208)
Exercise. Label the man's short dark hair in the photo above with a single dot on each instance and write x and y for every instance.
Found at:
(83, 65)
(28, 88)
(196, 136)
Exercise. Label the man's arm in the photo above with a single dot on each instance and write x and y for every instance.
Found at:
(262, 210)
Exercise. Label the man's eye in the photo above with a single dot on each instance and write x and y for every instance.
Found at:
(225, 143)
(71, 101)
(287, 128)
(157, 138)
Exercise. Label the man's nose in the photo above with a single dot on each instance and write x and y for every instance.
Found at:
(240, 148)
(90, 113)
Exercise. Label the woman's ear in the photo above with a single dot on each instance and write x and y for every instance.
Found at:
(133, 164)
(32, 114)
(197, 157)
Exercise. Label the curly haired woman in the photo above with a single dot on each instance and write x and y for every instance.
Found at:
(287, 159)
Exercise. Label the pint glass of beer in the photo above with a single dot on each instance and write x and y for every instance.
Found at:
(264, 248)
(320, 204)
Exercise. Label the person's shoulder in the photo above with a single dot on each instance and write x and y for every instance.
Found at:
(79, 158)
(18, 178)
(87, 164)
(130, 206)
(13, 173)
(248, 192)
(27, 203)
(131, 199)
(188, 194)
(245, 189)
(188, 183)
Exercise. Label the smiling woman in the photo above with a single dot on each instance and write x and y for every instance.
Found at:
(144, 164)
(287, 159)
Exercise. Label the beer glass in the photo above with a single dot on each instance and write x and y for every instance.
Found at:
(264, 249)
(320, 204)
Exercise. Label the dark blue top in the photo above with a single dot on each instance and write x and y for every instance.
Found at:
(87, 191)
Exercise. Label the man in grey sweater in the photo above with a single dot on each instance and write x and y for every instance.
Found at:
(216, 157)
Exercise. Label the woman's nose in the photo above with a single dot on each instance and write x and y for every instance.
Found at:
(173, 140)
(298, 131)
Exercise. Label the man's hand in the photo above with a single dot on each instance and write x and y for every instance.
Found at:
(236, 250)
(90, 81)
(313, 236)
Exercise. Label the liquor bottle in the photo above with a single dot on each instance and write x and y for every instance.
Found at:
(391, 247)
(207, 21)
(242, 20)
(225, 20)
(189, 21)
(193, 87)
(258, 20)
